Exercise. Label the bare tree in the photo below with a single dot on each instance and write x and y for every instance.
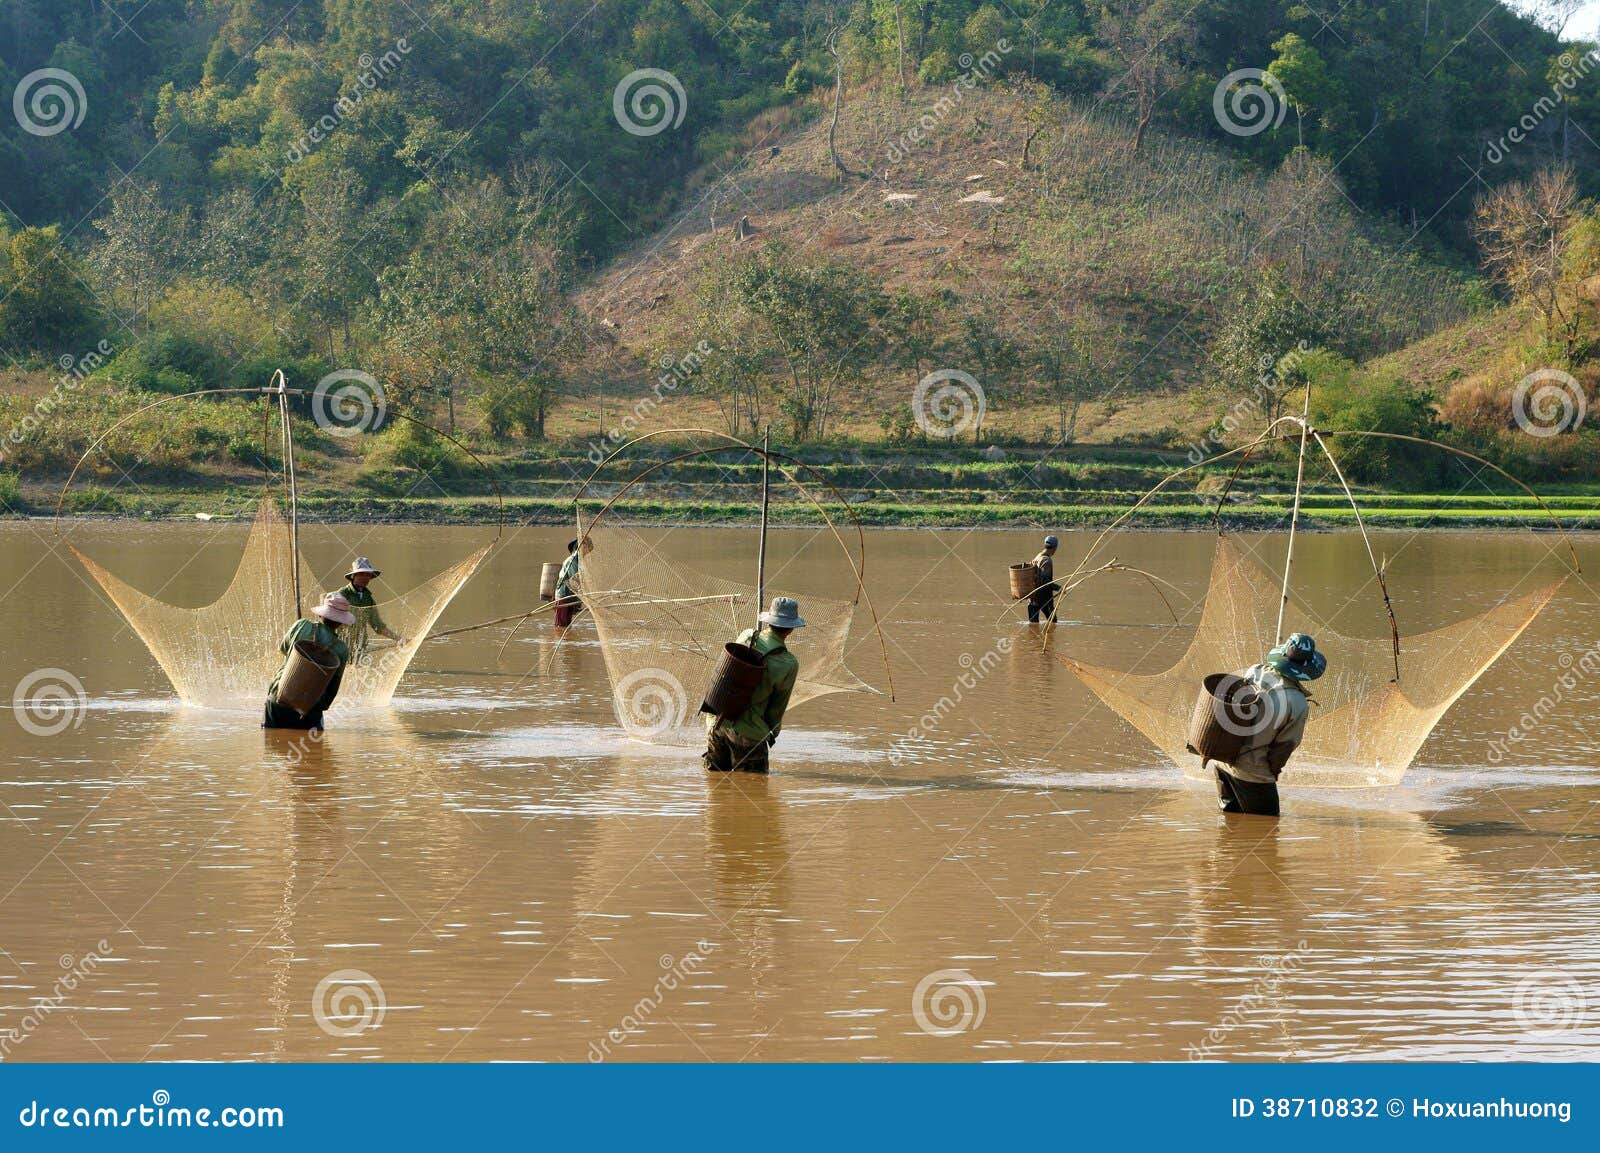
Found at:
(1148, 38)
(838, 94)
(1523, 229)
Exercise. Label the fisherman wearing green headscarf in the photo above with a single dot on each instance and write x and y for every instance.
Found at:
(1278, 724)
(742, 742)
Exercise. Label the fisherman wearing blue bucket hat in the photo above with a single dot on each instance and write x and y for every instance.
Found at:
(1042, 604)
(1277, 725)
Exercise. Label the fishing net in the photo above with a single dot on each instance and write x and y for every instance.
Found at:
(662, 626)
(226, 653)
(1365, 728)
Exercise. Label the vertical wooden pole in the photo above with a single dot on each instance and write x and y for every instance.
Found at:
(294, 496)
(1294, 517)
(761, 549)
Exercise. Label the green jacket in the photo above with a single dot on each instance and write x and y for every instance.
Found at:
(367, 618)
(316, 633)
(569, 573)
(764, 717)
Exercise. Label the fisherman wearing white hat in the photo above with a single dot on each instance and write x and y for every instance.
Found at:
(362, 574)
(742, 742)
(320, 630)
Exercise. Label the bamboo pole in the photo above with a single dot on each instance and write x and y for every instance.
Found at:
(1294, 516)
(289, 478)
(761, 549)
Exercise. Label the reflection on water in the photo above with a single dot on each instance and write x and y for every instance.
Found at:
(491, 870)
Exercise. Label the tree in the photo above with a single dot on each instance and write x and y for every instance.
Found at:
(1264, 339)
(991, 355)
(1524, 229)
(45, 306)
(1148, 37)
(142, 240)
(1304, 76)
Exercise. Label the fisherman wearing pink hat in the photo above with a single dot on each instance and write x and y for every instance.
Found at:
(320, 632)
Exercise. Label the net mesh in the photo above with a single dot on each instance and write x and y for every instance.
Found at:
(225, 654)
(662, 626)
(1365, 729)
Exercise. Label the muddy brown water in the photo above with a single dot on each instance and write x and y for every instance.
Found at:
(489, 870)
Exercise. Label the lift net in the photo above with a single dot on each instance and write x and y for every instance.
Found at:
(662, 626)
(1364, 729)
(225, 654)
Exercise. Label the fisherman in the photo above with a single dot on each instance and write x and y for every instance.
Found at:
(323, 634)
(1042, 601)
(742, 742)
(355, 591)
(568, 604)
(1250, 784)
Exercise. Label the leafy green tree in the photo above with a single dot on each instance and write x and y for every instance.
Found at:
(45, 303)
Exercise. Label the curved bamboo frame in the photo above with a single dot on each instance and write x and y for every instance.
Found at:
(734, 442)
(268, 392)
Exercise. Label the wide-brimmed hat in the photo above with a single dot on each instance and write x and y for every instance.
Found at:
(361, 564)
(1298, 659)
(784, 614)
(335, 608)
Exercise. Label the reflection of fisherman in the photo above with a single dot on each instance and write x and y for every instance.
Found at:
(742, 742)
(1250, 784)
(322, 634)
(568, 604)
(1042, 603)
(355, 591)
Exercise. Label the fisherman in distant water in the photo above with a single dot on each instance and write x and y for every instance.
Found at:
(742, 742)
(322, 634)
(361, 575)
(1250, 784)
(1042, 602)
(568, 604)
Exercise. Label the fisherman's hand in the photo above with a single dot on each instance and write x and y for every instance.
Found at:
(772, 739)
